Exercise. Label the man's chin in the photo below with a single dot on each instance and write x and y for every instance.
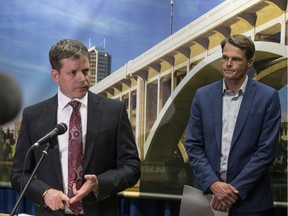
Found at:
(81, 94)
(229, 76)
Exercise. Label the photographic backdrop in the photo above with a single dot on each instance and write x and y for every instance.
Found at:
(125, 28)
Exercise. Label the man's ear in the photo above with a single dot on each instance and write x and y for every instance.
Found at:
(55, 75)
(250, 62)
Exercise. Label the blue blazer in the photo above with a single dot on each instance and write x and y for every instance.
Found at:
(110, 154)
(254, 143)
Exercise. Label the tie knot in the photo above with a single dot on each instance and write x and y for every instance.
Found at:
(75, 104)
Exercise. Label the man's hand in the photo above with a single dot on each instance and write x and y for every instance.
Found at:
(217, 205)
(91, 184)
(224, 193)
(55, 199)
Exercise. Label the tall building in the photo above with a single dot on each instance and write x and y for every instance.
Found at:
(100, 63)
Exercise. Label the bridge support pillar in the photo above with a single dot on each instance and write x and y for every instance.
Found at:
(140, 118)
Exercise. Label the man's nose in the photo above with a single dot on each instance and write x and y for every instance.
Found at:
(229, 62)
(80, 76)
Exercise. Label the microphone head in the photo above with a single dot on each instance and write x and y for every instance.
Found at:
(10, 98)
(61, 128)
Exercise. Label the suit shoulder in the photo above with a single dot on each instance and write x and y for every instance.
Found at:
(42, 104)
(210, 86)
(263, 87)
(108, 101)
(112, 101)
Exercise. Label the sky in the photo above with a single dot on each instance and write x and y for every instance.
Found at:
(126, 28)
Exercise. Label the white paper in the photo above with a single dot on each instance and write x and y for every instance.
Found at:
(23, 214)
(195, 203)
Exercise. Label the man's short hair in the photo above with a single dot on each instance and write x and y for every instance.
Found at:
(66, 48)
(242, 42)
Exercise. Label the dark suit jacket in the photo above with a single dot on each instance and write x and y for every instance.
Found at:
(253, 148)
(110, 154)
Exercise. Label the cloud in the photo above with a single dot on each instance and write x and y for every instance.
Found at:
(195, 8)
(86, 16)
(21, 66)
(102, 16)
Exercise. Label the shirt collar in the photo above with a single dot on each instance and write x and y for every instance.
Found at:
(242, 88)
(63, 100)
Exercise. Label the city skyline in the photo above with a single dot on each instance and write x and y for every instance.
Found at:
(128, 27)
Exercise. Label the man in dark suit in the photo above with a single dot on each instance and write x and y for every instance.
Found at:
(110, 161)
(232, 135)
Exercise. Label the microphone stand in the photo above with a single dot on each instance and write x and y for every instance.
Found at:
(44, 153)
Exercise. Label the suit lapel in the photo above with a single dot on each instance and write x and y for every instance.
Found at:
(51, 114)
(217, 111)
(244, 109)
(93, 122)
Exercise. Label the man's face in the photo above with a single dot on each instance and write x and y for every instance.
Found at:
(234, 63)
(73, 77)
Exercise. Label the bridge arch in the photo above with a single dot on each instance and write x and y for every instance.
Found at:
(270, 67)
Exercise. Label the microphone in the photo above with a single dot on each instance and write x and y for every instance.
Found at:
(10, 97)
(58, 130)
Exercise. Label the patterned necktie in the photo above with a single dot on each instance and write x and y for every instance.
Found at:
(75, 154)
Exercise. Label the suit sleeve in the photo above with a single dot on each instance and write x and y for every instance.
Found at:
(20, 178)
(195, 147)
(127, 171)
(266, 151)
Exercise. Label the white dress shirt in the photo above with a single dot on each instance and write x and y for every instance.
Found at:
(63, 116)
(230, 110)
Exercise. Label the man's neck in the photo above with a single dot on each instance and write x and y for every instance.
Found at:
(234, 85)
